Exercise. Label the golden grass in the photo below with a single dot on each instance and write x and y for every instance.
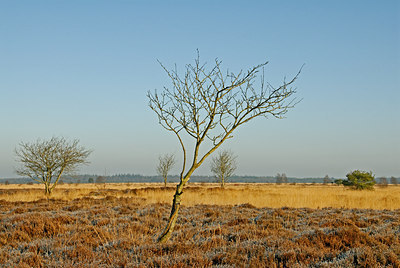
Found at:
(258, 195)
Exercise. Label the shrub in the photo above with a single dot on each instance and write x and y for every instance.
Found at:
(339, 181)
(360, 180)
(343, 182)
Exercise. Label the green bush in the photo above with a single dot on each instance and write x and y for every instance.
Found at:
(339, 181)
(360, 180)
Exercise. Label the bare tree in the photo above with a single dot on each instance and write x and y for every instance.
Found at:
(166, 162)
(223, 166)
(327, 179)
(281, 178)
(101, 182)
(383, 181)
(278, 178)
(101, 179)
(45, 161)
(208, 105)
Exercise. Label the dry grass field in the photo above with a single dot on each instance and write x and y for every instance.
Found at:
(258, 195)
(243, 225)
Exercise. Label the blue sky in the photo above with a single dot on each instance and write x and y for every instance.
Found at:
(81, 69)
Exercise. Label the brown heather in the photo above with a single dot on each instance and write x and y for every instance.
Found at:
(117, 226)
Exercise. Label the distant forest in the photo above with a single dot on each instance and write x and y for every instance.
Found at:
(126, 178)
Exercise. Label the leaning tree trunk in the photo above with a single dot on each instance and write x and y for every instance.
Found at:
(166, 234)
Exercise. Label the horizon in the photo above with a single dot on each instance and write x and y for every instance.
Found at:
(82, 71)
(176, 176)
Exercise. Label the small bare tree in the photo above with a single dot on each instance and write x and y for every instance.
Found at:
(101, 180)
(166, 162)
(281, 178)
(383, 181)
(45, 161)
(223, 166)
(327, 179)
(210, 105)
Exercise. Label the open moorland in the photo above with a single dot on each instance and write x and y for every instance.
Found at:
(243, 225)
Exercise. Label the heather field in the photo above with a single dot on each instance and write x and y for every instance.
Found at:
(116, 225)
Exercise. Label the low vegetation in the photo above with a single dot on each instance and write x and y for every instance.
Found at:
(117, 226)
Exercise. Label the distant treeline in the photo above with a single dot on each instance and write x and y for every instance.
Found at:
(126, 178)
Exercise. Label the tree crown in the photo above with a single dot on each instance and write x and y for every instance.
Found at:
(211, 104)
(166, 162)
(44, 160)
